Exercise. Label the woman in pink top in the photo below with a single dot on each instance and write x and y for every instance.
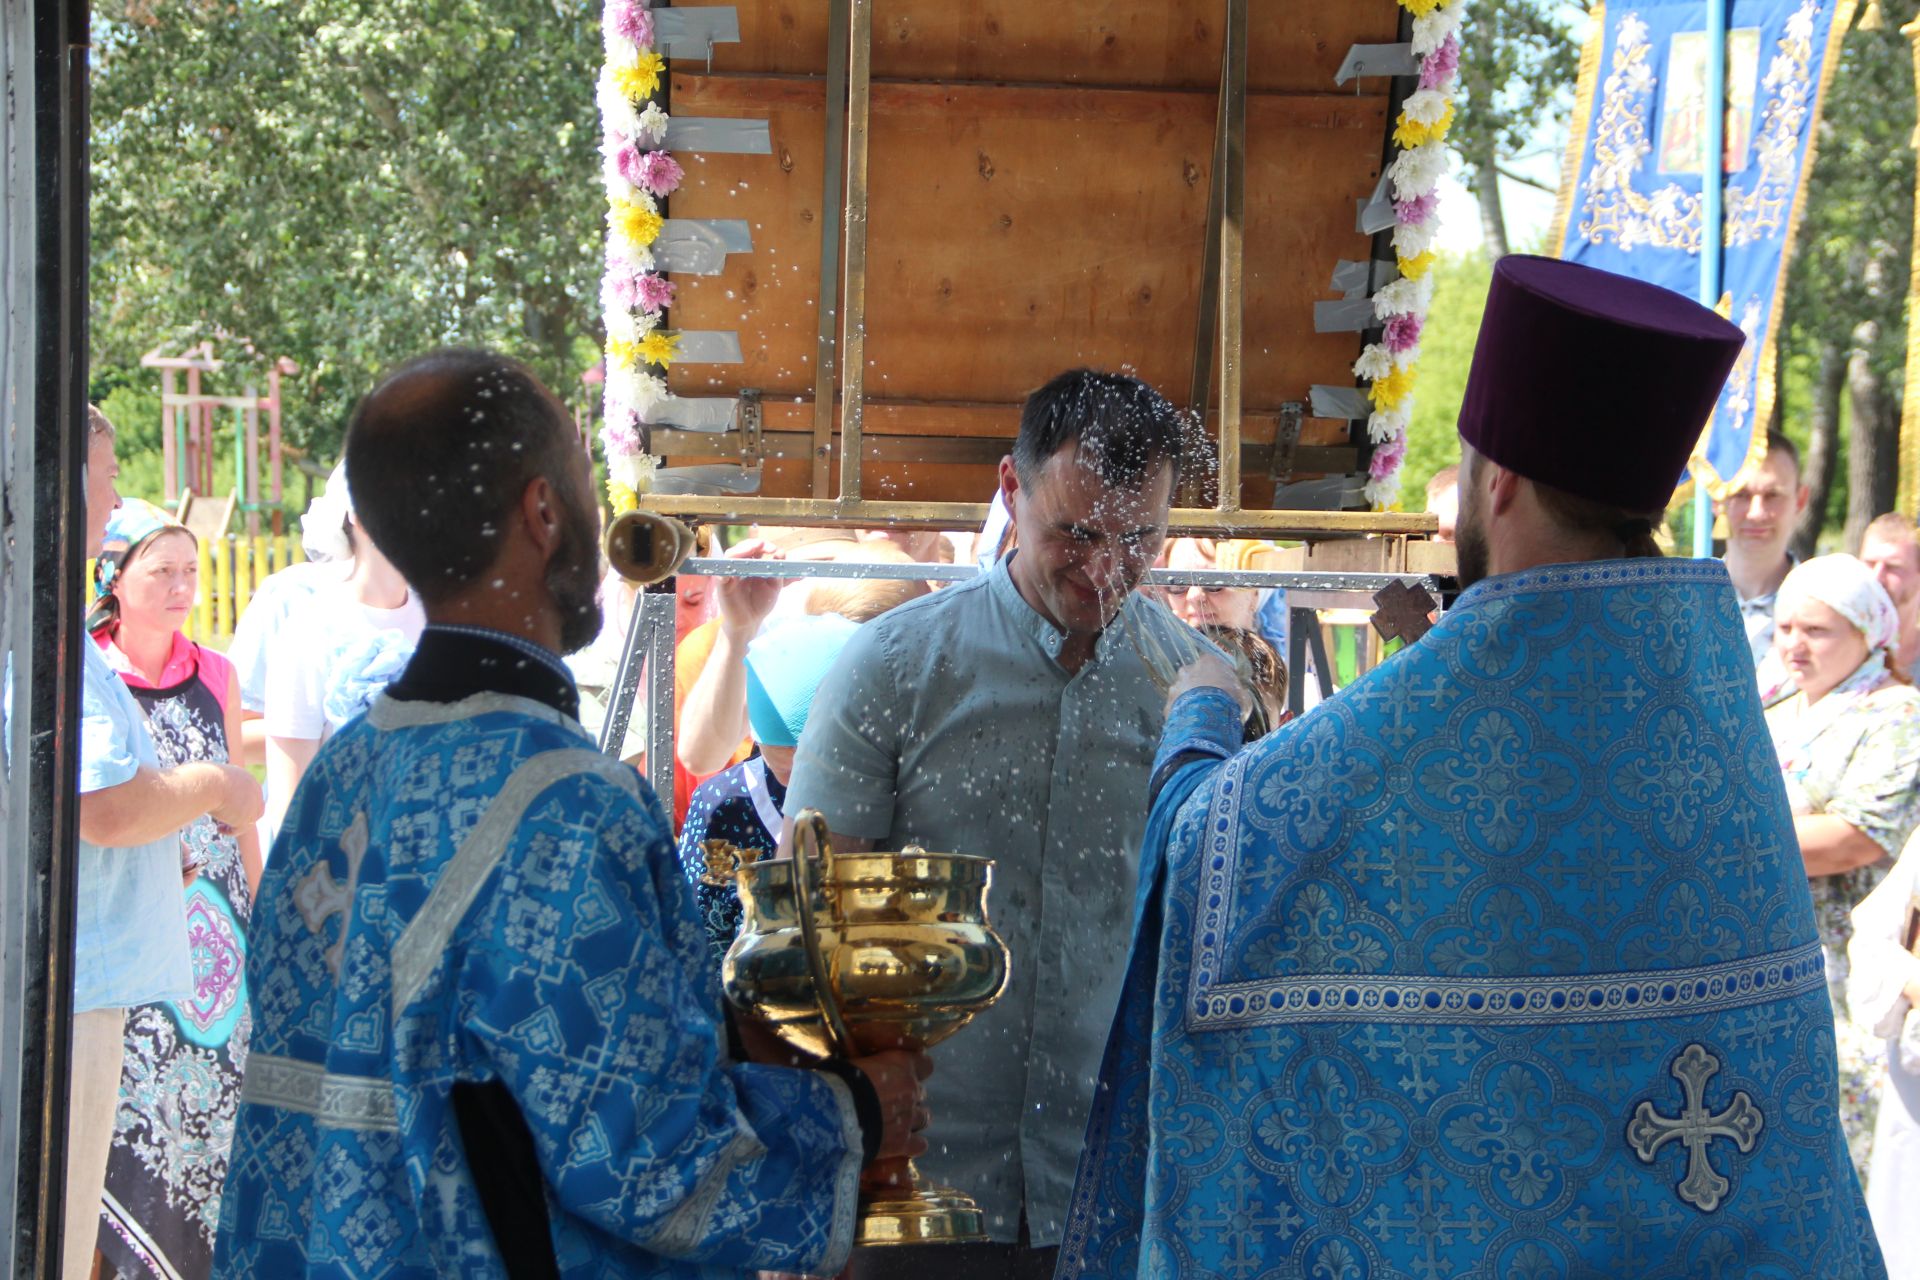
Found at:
(180, 1082)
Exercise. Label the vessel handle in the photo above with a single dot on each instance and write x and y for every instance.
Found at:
(812, 823)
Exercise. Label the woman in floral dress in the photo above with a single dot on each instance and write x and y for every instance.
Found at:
(1849, 745)
(180, 1085)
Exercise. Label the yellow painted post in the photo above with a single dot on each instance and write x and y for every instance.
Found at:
(280, 560)
(262, 568)
(243, 578)
(203, 596)
(223, 589)
(299, 551)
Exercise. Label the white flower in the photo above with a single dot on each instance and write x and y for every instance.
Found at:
(1375, 363)
(630, 326)
(1397, 299)
(1426, 106)
(1381, 493)
(1411, 240)
(650, 124)
(632, 470)
(631, 387)
(1418, 171)
(1430, 30)
(618, 188)
(615, 110)
(1387, 424)
(621, 52)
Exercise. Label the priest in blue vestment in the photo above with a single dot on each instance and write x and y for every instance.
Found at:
(1501, 963)
(487, 1040)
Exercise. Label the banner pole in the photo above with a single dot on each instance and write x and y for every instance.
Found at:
(1712, 187)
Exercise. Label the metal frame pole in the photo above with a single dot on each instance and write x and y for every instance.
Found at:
(853, 305)
(832, 190)
(1232, 252)
(1712, 188)
(649, 644)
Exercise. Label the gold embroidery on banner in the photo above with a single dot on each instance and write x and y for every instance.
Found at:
(1614, 209)
(1760, 212)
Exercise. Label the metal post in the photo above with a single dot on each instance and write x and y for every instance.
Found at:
(853, 303)
(649, 644)
(832, 188)
(1712, 187)
(1232, 245)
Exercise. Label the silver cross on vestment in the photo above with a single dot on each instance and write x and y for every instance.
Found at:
(1696, 1127)
(320, 897)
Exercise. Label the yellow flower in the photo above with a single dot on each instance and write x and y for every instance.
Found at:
(641, 80)
(1389, 391)
(624, 354)
(623, 498)
(1420, 8)
(1417, 268)
(660, 347)
(1410, 133)
(636, 221)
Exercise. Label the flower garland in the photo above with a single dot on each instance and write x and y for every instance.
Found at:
(1426, 117)
(639, 174)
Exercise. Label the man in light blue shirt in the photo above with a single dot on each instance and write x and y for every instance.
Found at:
(130, 928)
(1014, 717)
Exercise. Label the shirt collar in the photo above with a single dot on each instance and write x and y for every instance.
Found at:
(1029, 619)
(455, 662)
(182, 662)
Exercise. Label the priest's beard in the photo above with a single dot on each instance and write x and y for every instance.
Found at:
(1470, 535)
(573, 580)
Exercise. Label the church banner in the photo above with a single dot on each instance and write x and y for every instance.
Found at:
(1631, 197)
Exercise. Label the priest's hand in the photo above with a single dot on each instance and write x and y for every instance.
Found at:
(746, 602)
(896, 1077)
(1209, 671)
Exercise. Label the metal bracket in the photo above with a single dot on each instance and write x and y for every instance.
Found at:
(751, 420)
(1286, 439)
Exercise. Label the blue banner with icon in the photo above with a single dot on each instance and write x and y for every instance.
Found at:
(1637, 149)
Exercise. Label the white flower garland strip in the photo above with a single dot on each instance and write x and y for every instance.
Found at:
(639, 174)
(1401, 307)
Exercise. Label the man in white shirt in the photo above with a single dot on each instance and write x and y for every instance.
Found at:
(1891, 548)
(1761, 508)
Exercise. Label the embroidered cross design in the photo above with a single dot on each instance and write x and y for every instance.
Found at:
(320, 897)
(1696, 1127)
(1400, 612)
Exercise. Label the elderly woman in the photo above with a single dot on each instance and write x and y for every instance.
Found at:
(180, 1075)
(1849, 745)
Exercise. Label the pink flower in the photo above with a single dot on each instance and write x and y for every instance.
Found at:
(1416, 211)
(1387, 459)
(623, 283)
(619, 438)
(659, 173)
(623, 157)
(654, 292)
(1403, 333)
(1441, 64)
(630, 18)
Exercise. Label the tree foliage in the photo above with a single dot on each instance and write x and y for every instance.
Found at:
(345, 183)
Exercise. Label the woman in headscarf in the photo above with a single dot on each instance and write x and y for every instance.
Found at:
(1848, 740)
(180, 1077)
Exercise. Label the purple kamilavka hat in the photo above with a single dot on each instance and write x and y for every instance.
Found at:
(1592, 382)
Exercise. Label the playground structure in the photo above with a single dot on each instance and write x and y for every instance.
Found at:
(189, 430)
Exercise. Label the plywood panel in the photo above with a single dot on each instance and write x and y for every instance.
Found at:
(1014, 232)
(1293, 47)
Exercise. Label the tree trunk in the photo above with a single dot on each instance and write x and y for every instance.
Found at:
(1873, 446)
(1486, 189)
(1816, 468)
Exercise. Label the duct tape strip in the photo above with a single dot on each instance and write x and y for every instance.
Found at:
(1375, 214)
(709, 346)
(715, 414)
(692, 33)
(718, 135)
(708, 480)
(1347, 315)
(1363, 279)
(700, 247)
(1341, 402)
(1330, 493)
(1374, 60)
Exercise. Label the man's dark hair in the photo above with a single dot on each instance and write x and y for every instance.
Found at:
(1777, 442)
(440, 453)
(1121, 425)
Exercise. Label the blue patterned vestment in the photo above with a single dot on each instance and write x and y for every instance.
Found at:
(466, 893)
(1500, 964)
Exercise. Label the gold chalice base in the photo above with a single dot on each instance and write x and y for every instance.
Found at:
(925, 1214)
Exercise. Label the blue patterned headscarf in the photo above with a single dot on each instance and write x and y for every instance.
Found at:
(132, 526)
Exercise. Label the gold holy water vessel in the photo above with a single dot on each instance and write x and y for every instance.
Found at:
(844, 955)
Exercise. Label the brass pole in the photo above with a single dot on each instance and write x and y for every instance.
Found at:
(1909, 491)
(853, 303)
(1232, 253)
(825, 359)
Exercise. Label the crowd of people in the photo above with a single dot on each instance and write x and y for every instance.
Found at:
(441, 997)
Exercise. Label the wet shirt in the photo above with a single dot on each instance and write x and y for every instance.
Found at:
(949, 723)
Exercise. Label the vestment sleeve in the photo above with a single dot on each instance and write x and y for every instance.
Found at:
(107, 756)
(848, 762)
(584, 988)
(1877, 793)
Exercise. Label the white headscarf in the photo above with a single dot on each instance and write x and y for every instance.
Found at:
(1848, 587)
(323, 529)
